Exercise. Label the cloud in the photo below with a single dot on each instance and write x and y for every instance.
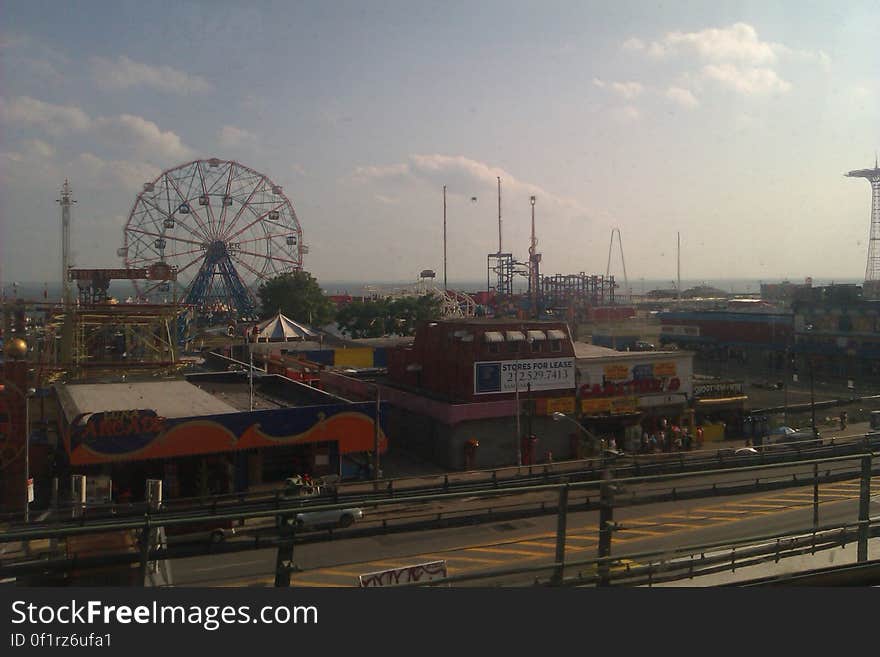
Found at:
(54, 119)
(123, 73)
(739, 42)
(626, 113)
(231, 136)
(464, 177)
(747, 81)
(387, 200)
(628, 90)
(98, 173)
(734, 56)
(682, 97)
(633, 44)
(39, 148)
(143, 137)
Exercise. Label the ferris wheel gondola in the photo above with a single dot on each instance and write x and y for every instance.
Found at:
(225, 226)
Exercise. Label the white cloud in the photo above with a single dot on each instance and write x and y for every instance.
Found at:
(627, 90)
(747, 81)
(363, 174)
(739, 42)
(683, 97)
(464, 177)
(633, 44)
(626, 113)
(387, 200)
(39, 148)
(231, 136)
(54, 119)
(143, 137)
(124, 73)
(98, 173)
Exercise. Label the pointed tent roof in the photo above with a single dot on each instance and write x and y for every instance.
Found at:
(283, 329)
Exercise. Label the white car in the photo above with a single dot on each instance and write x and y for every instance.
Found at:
(329, 519)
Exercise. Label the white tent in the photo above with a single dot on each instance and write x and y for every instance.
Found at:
(283, 329)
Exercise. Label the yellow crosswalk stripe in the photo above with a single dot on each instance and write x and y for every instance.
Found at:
(538, 543)
(646, 532)
(474, 559)
(313, 584)
(578, 537)
(529, 553)
(345, 572)
(744, 505)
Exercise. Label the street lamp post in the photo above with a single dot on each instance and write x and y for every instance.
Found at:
(562, 416)
(809, 328)
(812, 399)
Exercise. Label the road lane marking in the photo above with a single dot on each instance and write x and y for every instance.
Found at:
(339, 572)
(639, 531)
(529, 553)
(296, 581)
(262, 562)
(746, 506)
(538, 543)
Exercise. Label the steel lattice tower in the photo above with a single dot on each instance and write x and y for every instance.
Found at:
(66, 201)
(871, 289)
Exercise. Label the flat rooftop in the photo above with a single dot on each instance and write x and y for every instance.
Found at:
(170, 399)
(585, 350)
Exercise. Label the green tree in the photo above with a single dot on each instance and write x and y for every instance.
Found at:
(373, 319)
(298, 296)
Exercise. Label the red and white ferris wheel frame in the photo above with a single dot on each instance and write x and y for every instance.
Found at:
(243, 208)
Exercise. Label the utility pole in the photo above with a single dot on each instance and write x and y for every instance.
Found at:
(534, 259)
(516, 398)
(444, 239)
(499, 214)
(376, 437)
(679, 265)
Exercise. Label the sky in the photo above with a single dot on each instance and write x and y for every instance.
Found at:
(731, 123)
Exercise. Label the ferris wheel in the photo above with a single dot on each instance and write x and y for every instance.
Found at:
(224, 226)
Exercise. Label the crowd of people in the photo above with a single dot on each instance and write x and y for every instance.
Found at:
(663, 437)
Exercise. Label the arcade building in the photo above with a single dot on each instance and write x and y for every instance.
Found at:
(480, 393)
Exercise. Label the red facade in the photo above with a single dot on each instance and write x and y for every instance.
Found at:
(441, 359)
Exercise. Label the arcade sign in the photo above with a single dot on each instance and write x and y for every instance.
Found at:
(117, 424)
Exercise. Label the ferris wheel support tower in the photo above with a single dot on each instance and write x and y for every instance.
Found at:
(871, 289)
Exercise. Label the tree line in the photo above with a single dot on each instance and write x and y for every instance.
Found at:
(299, 296)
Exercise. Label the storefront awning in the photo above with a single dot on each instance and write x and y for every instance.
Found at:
(556, 334)
(721, 401)
(515, 336)
(537, 335)
(493, 336)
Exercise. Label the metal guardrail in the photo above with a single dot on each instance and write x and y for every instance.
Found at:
(284, 514)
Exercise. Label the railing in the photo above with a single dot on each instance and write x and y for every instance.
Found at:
(603, 495)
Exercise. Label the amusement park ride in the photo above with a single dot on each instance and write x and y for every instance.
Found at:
(223, 226)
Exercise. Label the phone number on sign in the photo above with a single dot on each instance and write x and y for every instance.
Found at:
(539, 373)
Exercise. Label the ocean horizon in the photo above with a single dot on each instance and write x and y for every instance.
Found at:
(123, 289)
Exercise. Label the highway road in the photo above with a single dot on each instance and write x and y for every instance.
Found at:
(531, 541)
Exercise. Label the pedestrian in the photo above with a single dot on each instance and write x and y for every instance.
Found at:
(700, 437)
